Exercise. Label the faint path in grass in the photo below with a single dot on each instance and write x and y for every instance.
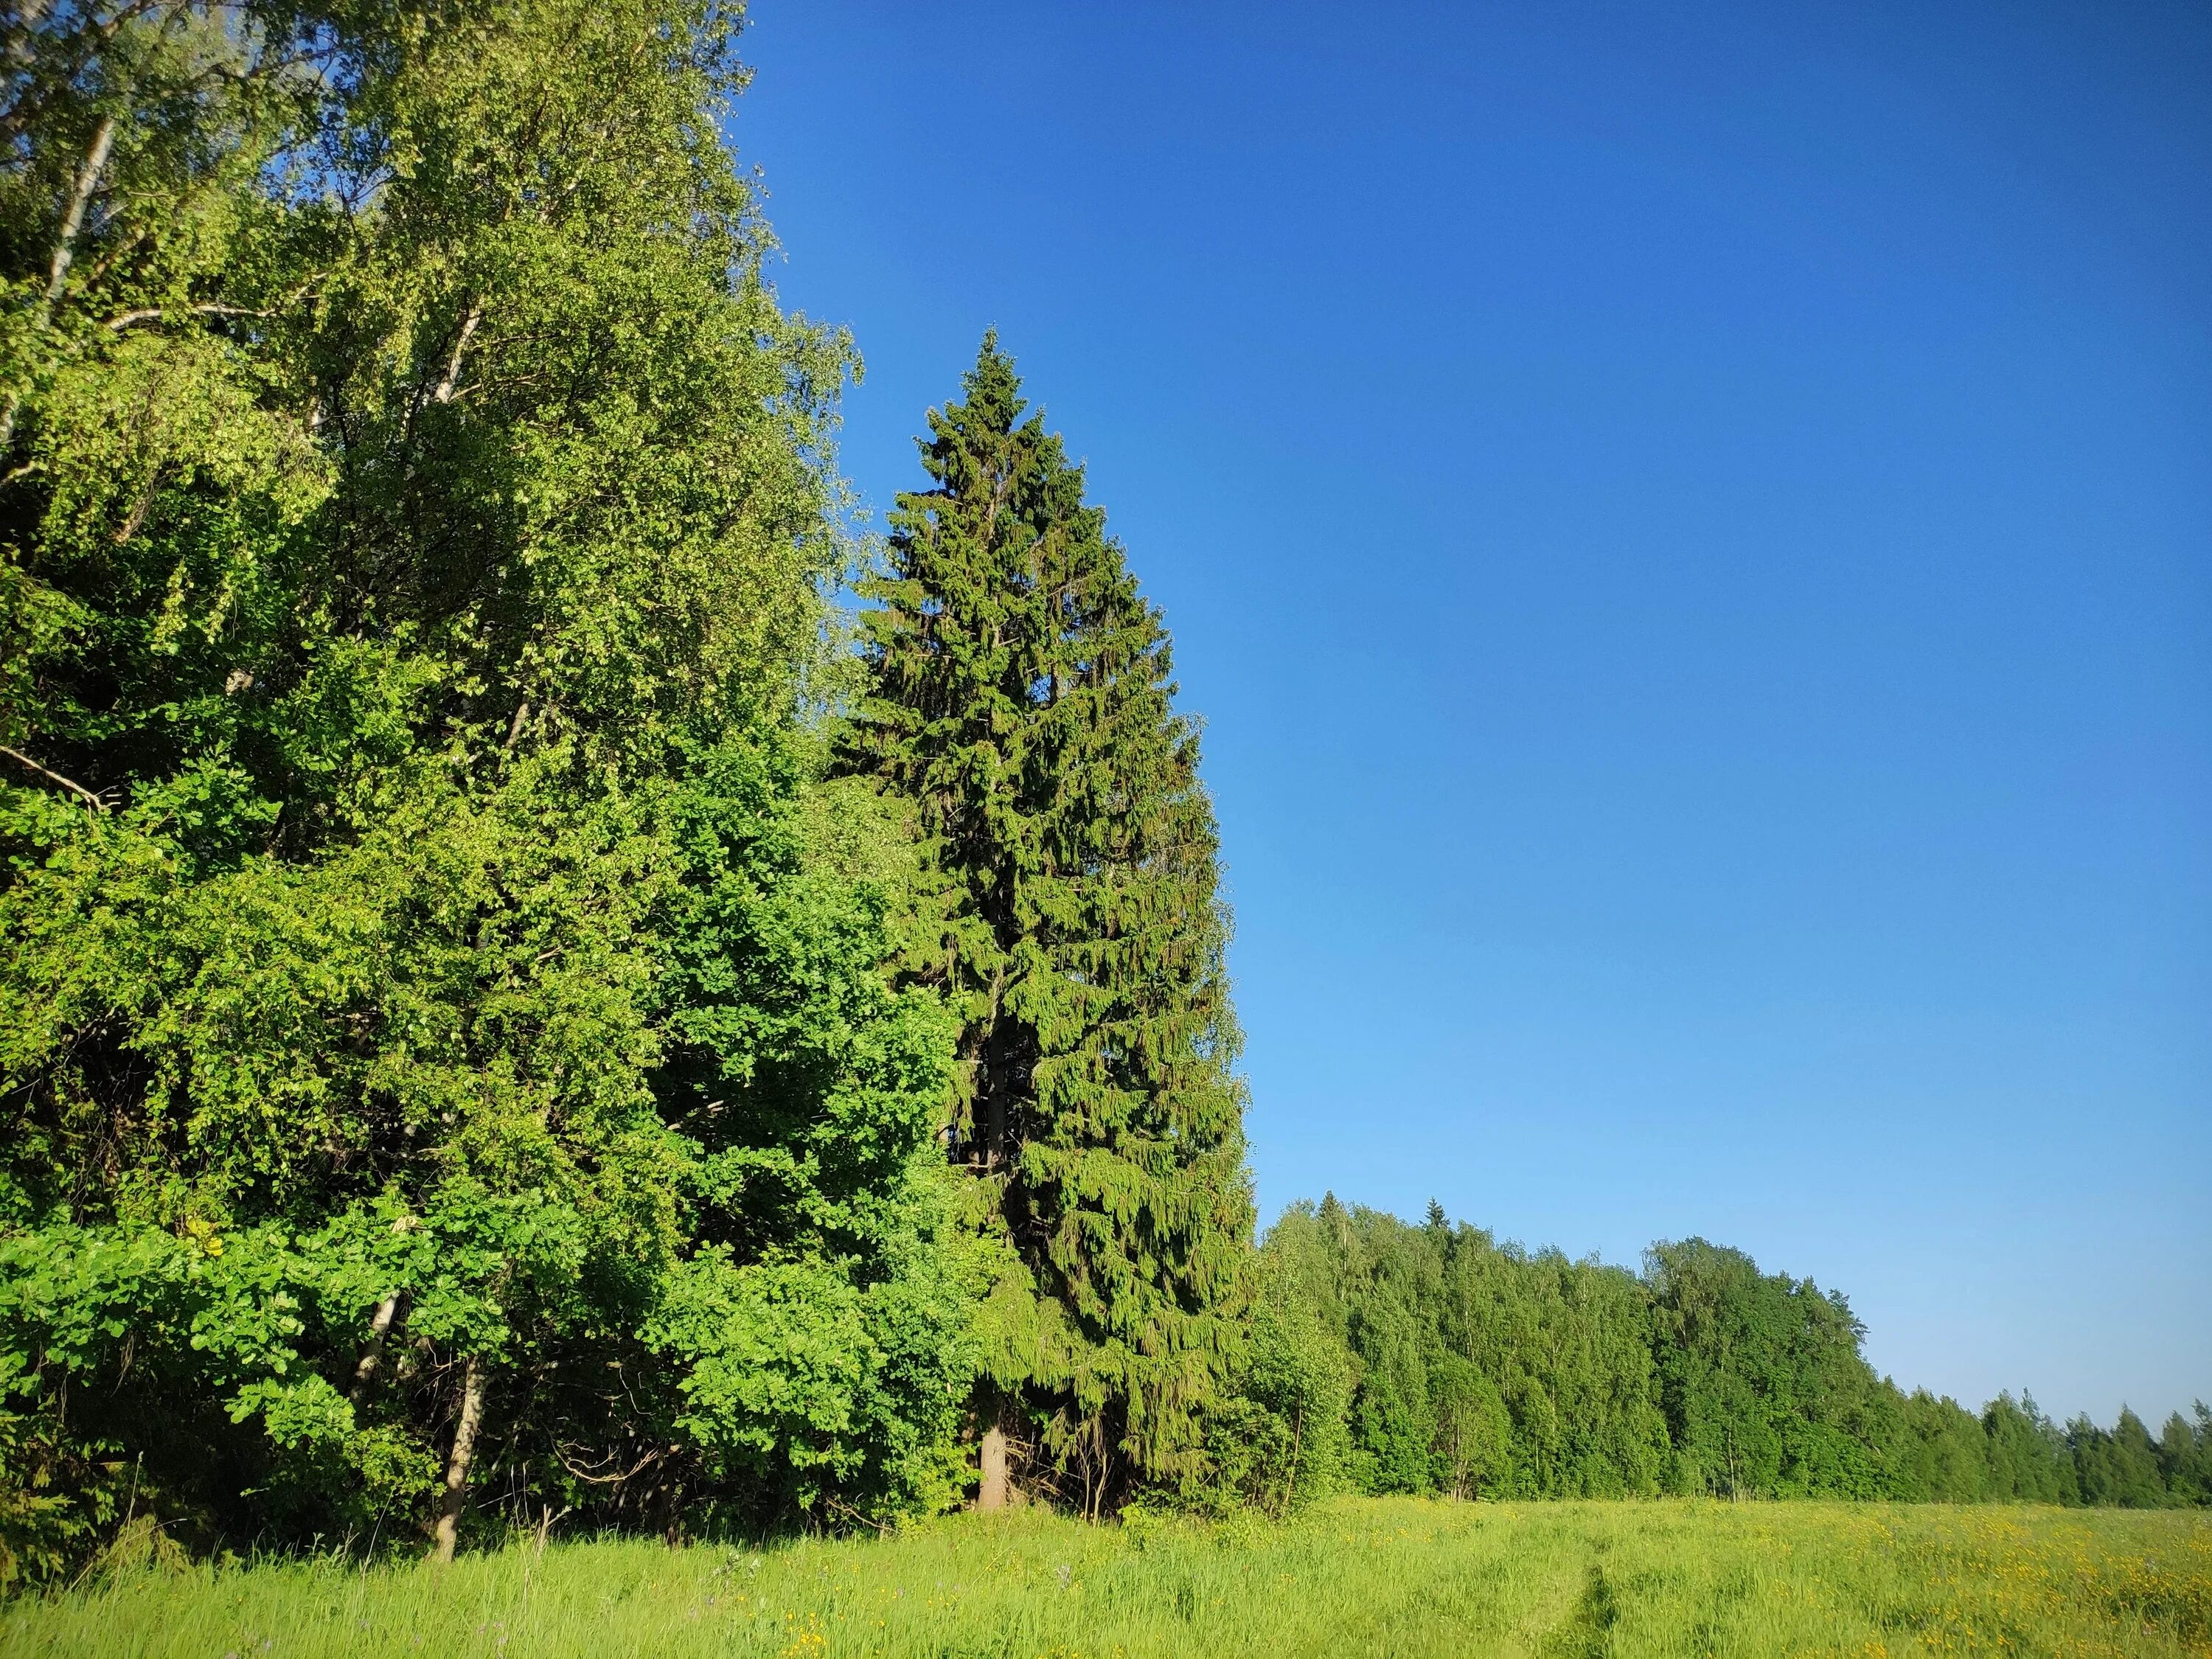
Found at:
(1588, 1632)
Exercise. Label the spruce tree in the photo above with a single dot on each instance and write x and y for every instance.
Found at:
(1022, 699)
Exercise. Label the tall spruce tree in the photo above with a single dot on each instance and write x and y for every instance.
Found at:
(1022, 700)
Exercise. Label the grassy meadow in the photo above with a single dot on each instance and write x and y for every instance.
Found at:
(1398, 1577)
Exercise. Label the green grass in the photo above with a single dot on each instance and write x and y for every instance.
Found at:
(1396, 1577)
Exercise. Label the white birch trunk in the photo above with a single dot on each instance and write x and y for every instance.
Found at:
(457, 1465)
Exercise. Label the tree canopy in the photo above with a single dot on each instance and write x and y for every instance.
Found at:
(447, 1045)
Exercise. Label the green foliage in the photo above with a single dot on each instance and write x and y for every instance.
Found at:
(1278, 1438)
(1567, 1346)
(1481, 1371)
(428, 949)
(2184, 1456)
(2126, 1467)
(1764, 1391)
(1021, 699)
(2028, 1460)
(1474, 1443)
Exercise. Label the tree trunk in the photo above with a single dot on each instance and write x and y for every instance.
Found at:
(87, 182)
(371, 1352)
(444, 394)
(996, 1078)
(457, 1465)
(993, 1493)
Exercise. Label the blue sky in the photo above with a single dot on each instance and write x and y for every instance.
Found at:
(1690, 528)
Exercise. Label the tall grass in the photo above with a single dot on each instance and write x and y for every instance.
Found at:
(1403, 1578)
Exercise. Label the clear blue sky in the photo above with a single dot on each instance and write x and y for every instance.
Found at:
(1690, 528)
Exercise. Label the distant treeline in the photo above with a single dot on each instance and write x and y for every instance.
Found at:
(1391, 1358)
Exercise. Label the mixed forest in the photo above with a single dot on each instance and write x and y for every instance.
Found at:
(519, 1008)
